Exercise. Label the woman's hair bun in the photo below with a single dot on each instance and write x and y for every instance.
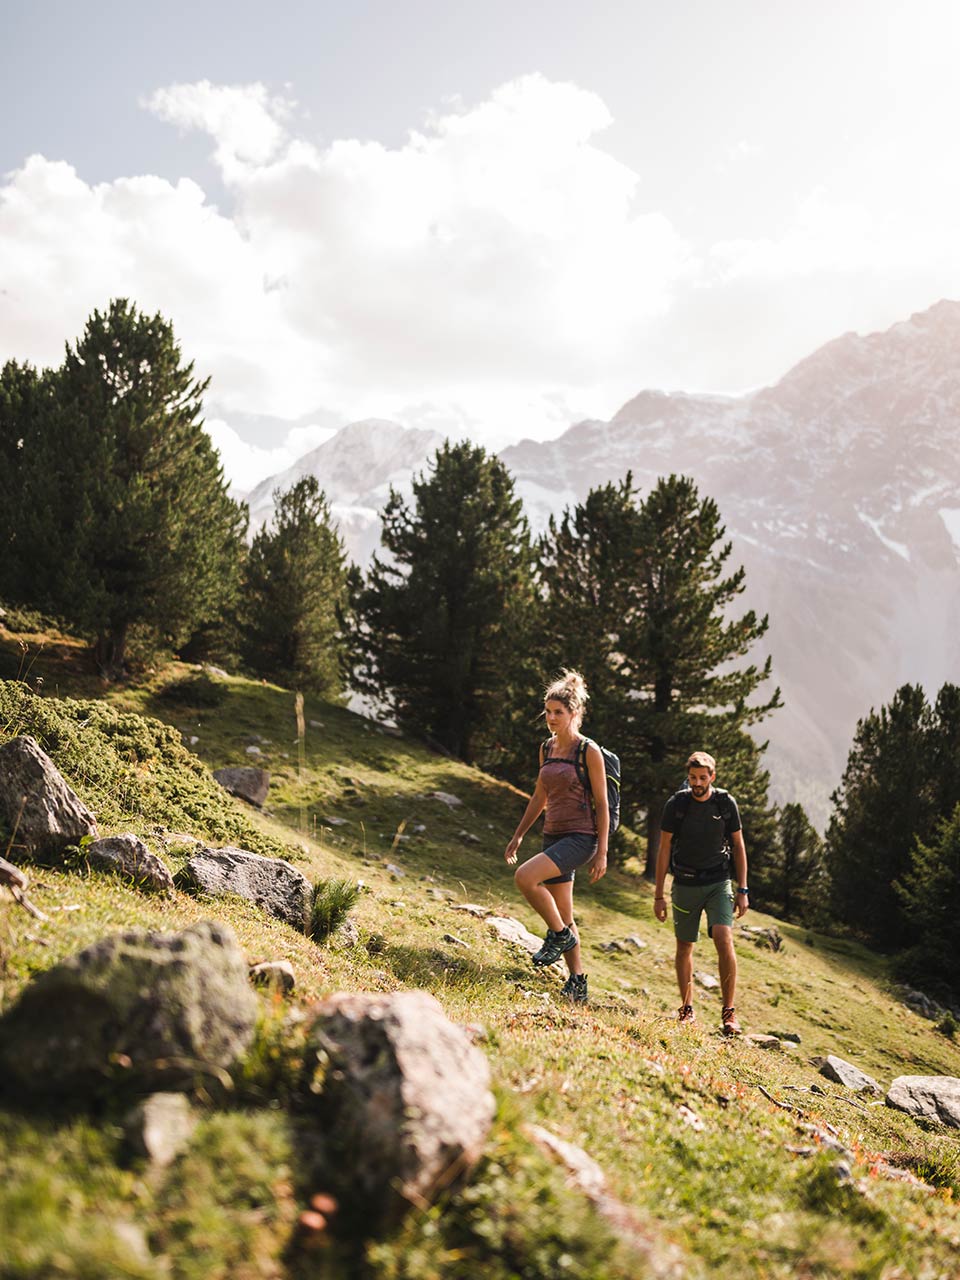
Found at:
(570, 688)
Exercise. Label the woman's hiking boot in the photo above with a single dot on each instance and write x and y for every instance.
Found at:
(554, 945)
(575, 988)
(729, 1024)
(686, 1015)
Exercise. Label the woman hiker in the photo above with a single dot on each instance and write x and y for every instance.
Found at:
(575, 829)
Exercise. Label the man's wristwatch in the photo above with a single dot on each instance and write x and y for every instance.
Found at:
(743, 889)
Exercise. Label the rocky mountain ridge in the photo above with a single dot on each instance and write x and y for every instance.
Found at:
(839, 486)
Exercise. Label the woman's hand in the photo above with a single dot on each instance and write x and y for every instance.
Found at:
(510, 853)
(598, 866)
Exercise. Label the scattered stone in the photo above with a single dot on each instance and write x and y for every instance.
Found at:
(152, 1009)
(316, 724)
(826, 1140)
(160, 1127)
(919, 1002)
(419, 827)
(455, 941)
(348, 935)
(634, 941)
(193, 740)
(452, 802)
(472, 908)
(395, 871)
(469, 837)
(274, 973)
(335, 822)
(37, 804)
(274, 885)
(792, 1037)
(248, 783)
(936, 1097)
(690, 1117)
(763, 937)
(707, 981)
(613, 945)
(509, 930)
(762, 1042)
(129, 857)
(403, 1094)
(253, 751)
(849, 1076)
(662, 1261)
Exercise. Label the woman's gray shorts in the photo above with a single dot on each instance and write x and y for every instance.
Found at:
(569, 852)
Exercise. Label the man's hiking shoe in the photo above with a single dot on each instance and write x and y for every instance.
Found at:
(554, 945)
(575, 988)
(729, 1025)
(686, 1015)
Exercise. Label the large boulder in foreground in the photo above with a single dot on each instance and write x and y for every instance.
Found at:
(36, 802)
(249, 784)
(274, 885)
(404, 1099)
(935, 1097)
(846, 1074)
(148, 1010)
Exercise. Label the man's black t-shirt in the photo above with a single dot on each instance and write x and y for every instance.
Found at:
(702, 840)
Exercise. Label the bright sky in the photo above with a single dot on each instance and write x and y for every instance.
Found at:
(493, 218)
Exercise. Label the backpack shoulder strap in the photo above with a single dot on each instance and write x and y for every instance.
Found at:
(580, 763)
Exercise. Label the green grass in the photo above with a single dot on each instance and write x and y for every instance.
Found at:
(727, 1196)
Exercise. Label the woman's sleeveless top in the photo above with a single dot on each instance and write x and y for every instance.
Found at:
(568, 805)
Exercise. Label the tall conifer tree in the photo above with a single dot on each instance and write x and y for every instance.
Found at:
(637, 594)
(445, 612)
(155, 538)
(294, 601)
(883, 803)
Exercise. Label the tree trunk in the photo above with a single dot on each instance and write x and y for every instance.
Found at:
(110, 651)
(653, 841)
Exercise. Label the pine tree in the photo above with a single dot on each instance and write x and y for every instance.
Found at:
(929, 895)
(884, 802)
(799, 870)
(295, 595)
(33, 487)
(444, 615)
(636, 597)
(155, 539)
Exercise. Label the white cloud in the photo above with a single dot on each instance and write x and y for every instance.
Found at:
(247, 464)
(497, 273)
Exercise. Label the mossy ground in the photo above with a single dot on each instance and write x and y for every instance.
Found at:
(613, 1077)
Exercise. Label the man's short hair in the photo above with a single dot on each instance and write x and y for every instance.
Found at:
(700, 760)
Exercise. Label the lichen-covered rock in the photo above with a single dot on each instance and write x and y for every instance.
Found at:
(248, 783)
(160, 1127)
(149, 1009)
(129, 857)
(37, 804)
(404, 1098)
(274, 885)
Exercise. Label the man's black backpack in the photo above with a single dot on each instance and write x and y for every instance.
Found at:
(682, 801)
(611, 765)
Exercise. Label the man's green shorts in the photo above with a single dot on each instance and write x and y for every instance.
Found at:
(691, 900)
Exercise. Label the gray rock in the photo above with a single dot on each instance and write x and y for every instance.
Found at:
(455, 941)
(636, 942)
(707, 981)
(451, 801)
(849, 1076)
(274, 973)
(153, 1010)
(160, 1127)
(129, 857)
(348, 935)
(936, 1097)
(246, 782)
(404, 1099)
(274, 885)
(37, 803)
(763, 1042)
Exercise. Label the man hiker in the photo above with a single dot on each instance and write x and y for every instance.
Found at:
(700, 835)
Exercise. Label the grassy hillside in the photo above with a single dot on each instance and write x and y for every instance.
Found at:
(685, 1124)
